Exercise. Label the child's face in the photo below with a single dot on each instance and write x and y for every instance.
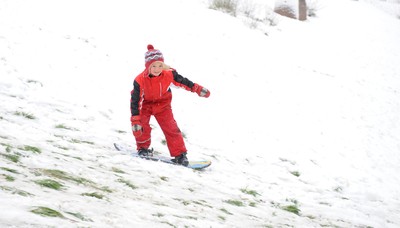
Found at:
(156, 68)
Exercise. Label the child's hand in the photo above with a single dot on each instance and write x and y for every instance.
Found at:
(136, 126)
(200, 90)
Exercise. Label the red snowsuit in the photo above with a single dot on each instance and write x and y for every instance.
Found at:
(151, 95)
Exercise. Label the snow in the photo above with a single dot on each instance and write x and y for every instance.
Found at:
(302, 114)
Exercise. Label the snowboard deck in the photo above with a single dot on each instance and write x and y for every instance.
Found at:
(197, 165)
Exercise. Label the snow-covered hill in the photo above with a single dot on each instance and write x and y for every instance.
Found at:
(302, 125)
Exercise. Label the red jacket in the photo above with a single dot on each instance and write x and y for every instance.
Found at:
(156, 89)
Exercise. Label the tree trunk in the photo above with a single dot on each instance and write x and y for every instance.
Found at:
(302, 10)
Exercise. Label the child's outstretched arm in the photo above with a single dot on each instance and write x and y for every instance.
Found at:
(185, 83)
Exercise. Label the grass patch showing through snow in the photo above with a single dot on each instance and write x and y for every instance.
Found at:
(79, 216)
(114, 169)
(8, 149)
(225, 211)
(68, 177)
(62, 126)
(26, 115)
(11, 157)
(291, 208)
(48, 183)
(47, 212)
(235, 202)
(249, 192)
(8, 177)
(158, 215)
(128, 183)
(295, 173)
(81, 141)
(163, 178)
(9, 170)
(294, 208)
(65, 176)
(32, 149)
(94, 194)
(202, 203)
(62, 148)
(15, 191)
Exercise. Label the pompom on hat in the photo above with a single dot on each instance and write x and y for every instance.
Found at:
(152, 55)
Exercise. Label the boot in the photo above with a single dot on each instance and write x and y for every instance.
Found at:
(145, 152)
(181, 159)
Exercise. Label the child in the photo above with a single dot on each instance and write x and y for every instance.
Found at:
(151, 96)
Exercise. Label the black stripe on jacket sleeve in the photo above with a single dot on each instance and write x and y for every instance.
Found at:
(135, 99)
(182, 80)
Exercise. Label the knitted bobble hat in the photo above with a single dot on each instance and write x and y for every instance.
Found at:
(152, 55)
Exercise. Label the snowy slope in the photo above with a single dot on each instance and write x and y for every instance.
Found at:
(303, 115)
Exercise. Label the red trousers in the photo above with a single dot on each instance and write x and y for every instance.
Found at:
(162, 111)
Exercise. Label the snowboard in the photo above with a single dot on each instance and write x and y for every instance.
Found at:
(197, 165)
